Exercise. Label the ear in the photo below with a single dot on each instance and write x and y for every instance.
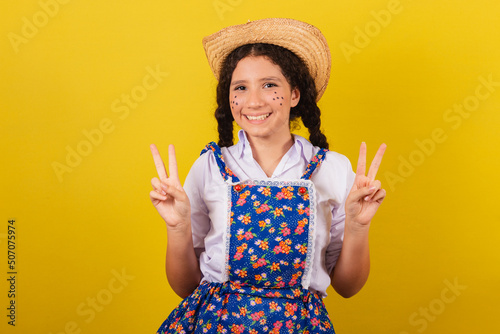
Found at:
(295, 97)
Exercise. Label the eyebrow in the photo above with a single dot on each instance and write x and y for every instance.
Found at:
(237, 82)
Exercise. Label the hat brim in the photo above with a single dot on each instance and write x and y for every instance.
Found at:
(303, 39)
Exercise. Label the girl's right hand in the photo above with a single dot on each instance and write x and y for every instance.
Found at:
(167, 195)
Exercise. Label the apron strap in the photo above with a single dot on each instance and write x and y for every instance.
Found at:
(314, 163)
(223, 169)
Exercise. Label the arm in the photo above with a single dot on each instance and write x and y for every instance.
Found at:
(353, 266)
(172, 203)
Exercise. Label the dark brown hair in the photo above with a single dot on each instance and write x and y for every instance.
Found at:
(296, 73)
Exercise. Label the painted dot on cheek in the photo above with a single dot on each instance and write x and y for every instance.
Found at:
(281, 104)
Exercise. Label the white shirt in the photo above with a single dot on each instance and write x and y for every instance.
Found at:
(207, 192)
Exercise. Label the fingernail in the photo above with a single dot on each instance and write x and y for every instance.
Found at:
(367, 198)
(372, 188)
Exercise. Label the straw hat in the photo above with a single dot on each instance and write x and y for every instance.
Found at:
(303, 39)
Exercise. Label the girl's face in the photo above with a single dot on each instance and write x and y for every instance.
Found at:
(260, 99)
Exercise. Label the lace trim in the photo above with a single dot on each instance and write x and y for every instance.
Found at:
(311, 244)
(227, 236)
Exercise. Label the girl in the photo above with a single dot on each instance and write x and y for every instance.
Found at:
(262, 228)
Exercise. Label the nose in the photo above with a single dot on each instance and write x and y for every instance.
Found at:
(255, 99)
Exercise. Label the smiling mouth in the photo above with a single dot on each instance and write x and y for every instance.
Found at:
(257, 118)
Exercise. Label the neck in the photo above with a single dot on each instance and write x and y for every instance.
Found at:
(268, 154)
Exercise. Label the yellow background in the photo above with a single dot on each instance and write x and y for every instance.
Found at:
(439, 224)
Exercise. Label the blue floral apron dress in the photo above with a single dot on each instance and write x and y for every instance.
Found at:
(269, 248)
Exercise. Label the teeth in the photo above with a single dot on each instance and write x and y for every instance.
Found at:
(257, 118)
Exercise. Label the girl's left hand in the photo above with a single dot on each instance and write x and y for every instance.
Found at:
(366, 194)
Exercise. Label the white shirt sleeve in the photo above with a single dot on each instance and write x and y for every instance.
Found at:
(200, 220)
(338, 219)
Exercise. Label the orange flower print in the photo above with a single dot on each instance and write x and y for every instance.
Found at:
(264, 223)
(237, 329)
(241, 249)
(278, 212)
(275, 267)
(246, 219)
(266, 191)
(303, 222)
(273, 306)
(283, 247)
(301, 248)
(242, 273)
(263, 244)
(290, 309)
(299, 264)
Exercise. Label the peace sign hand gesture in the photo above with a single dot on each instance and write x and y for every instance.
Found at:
(167, 195)
(366, 194)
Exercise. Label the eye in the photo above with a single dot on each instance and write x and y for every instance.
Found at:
(239, 88)
(270, 84)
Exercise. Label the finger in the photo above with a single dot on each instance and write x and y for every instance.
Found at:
(176, 193)
(376, 162)
(158, 186)
(361, 168)
(172, 163)
(375, 186)
(361, 194)
(379, 196)
(155, 195)
(160, 167)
